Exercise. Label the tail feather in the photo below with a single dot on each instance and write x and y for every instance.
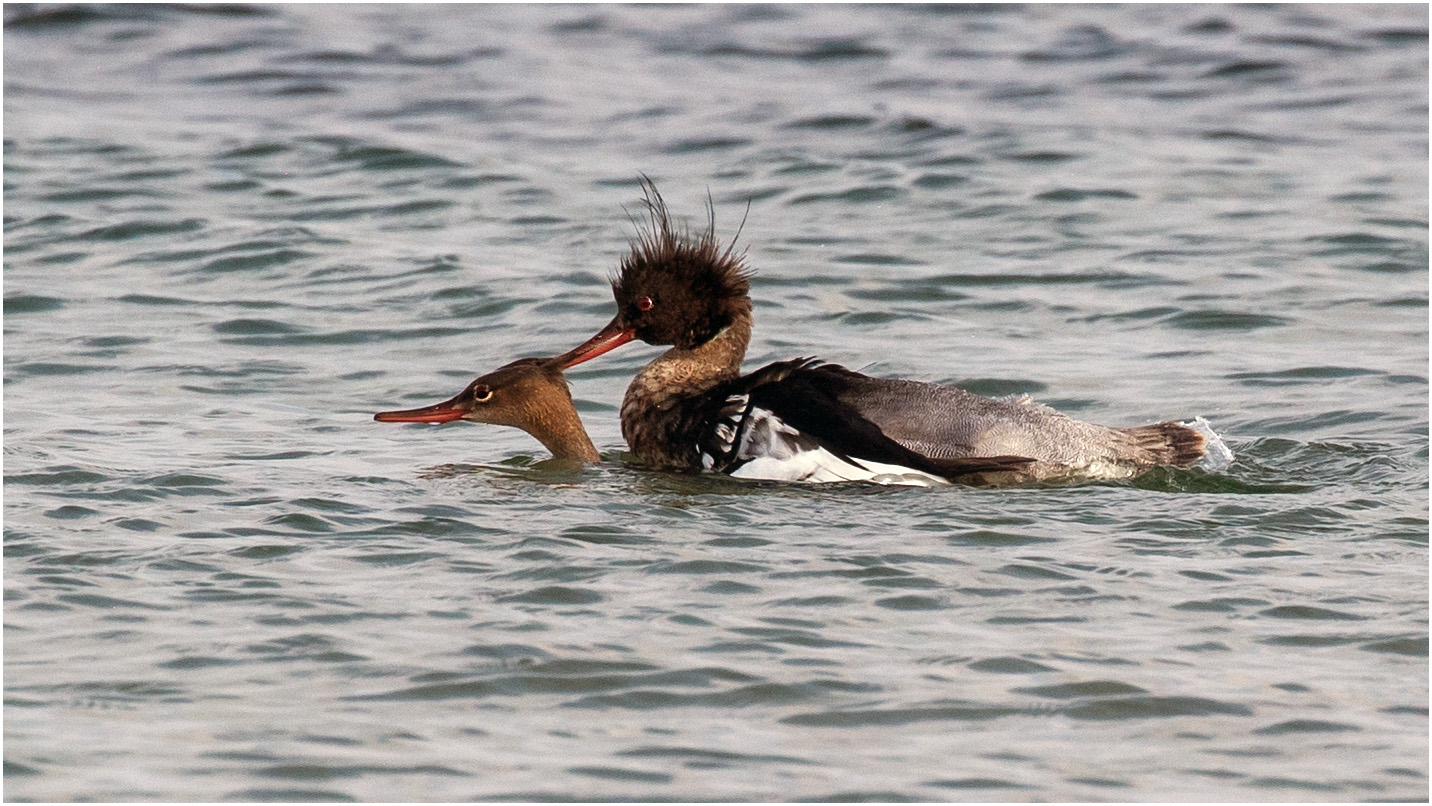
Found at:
(1170, 443)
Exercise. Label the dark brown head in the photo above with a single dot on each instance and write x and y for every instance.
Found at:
(675, 287)
(530, 393)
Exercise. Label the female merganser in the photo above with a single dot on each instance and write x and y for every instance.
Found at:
(691, 408)
(532, 394)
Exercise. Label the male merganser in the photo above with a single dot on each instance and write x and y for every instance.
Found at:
(530, 393)
(803, 420)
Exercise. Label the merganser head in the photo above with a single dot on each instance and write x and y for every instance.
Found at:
(673, 288)
(530, 393)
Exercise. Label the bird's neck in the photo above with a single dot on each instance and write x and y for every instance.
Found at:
(684, 371)
(560, 431)
(649, 410)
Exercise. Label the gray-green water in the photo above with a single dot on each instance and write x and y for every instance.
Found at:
(232, 233)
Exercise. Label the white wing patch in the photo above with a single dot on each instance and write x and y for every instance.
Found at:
(728, 420)
(728, 423)
(772, 450)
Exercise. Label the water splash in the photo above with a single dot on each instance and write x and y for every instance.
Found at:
(1217, 455)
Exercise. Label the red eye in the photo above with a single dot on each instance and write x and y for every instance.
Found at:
(644, 304)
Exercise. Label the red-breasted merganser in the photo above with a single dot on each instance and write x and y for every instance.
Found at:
(532, 394)
(690, 408)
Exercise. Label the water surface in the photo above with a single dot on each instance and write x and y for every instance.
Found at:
(232, 233)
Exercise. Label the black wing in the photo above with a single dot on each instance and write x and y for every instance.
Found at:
(803, 399)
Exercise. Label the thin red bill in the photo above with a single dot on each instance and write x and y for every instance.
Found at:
(444, 412)
(607, 339)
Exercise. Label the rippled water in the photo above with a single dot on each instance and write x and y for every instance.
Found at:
(232, 233)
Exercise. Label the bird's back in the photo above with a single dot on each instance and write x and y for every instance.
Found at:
(944, 421)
